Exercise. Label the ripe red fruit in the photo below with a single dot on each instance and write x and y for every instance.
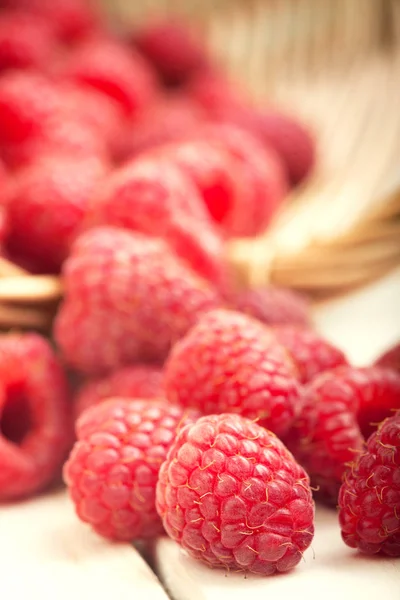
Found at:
(340, 408)
(112, 471)
(311, 353)
(172, 118)
(212, 170)
(263, 180)
(25, 41)
(47, 205)
(96, 110)
(27, 101)
(127, 298)
(273, 305)
(390, 359)
(157, 199)
(69, 19)
(229, 362)
(112, 69)
(369, 498)
(35, 419)
(284, 133)
(136, 381)
(233, 496)
(172, 49)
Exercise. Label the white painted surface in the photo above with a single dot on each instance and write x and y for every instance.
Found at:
(47, 554)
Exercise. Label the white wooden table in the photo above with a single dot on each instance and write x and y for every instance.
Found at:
(45, 553)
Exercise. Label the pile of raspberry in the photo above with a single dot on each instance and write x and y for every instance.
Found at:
(212, 414)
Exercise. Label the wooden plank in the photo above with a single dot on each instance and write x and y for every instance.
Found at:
(46, 553)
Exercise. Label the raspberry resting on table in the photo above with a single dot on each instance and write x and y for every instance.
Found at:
(35, 415)
(112, 470)
(136, 381)
(232, 496)
(369, 499)
(128, 298)
(340, 409)
(229, 362)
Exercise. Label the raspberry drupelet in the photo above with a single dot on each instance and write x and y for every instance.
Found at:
(232, 496)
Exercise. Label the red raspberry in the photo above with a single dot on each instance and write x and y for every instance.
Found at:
(369, 499)
(98, 111)
(35, 420)
(390, 359)
(61, 137)
(113, 468)
(311, 353)
(284, 133)
(173, 118)
(70, 19)
(232, 496)
(158, 200)
(25, 41)
(229, 362)
(211, 90)
(173, 50)
(47, 205)
(213, 171)
(127, 298)
(112, 69)
(137, 381)
(273, 305)
(264, 180)
(27, 100)
(340, 407)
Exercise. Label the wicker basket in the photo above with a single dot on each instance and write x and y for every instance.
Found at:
(336, 64)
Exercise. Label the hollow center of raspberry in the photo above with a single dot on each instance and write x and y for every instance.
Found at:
(16, 417)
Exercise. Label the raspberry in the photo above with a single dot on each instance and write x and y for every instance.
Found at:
(172, 49)
(157, 199)
(70, 19)
(289, 138)
(212, 170)
(137, 381)
(112, 69)
(171, 119)
(96, 110)
(390, 359)
(47, 205)
(273, 305)
(213, 92)
(27, 100)
(25, 41)
(113, 468)
(127, 298)
(340, 408)
(369, 499)
(232, 496)
(35, 420)
(264, 185)
(229, 362)
(311, 353)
